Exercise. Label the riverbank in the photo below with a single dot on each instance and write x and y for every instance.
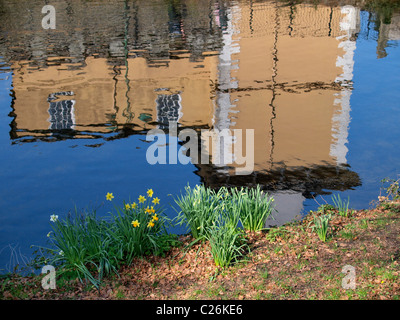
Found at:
(289, 262)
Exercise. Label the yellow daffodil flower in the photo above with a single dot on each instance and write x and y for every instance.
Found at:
(150, 224)
(150, 192)
(155, 218)
(156, 201)
(133, 205)
(109, 196)
(142, 199)
(127, 206)
(135, 223)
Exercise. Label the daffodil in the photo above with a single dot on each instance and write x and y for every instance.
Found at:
(155, 218)
(156, 201)
(150, 210)
(53, 218)
(150, 192)
(135, 224)
(150, 224)
(133, 205)
(109, 196)
(142, 199)
(127, 206)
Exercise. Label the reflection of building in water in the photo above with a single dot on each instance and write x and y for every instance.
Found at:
(84, 28)
(281, 80)
(100, 95)
(285, 72)
(226, 63)
(349, 25)
(115, 57)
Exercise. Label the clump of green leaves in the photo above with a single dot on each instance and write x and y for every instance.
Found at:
(227, 244)
(137, 230)
(321, 226)
(83, 245)
(93, 248)
(221, 217)
(199, 208)
(253, 206)
(341, 205)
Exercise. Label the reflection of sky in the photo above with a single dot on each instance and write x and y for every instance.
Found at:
(374, 147)
(5, 101)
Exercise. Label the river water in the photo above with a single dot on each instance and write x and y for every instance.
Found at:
(317, 85)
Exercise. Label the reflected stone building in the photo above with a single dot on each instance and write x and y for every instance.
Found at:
(118, 59)
(288, 76)
(126, 67)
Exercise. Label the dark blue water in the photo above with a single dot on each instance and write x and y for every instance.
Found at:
(39, 179)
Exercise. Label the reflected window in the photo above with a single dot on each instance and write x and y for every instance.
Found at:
(61, 111)
(168, 109)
